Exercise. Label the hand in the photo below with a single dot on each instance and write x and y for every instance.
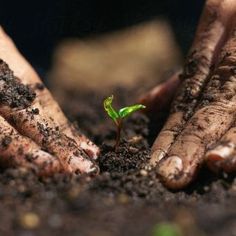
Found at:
(34, 132)
(201, 126)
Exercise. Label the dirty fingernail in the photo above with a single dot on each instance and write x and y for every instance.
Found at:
(157, 156)
(221, 152)
(171, 167)
(81, 165)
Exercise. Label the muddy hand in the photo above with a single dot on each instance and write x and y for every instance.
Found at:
(201, 125)
(34, 131)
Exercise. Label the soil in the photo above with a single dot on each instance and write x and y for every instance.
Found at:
(124, 199)
(12, 92)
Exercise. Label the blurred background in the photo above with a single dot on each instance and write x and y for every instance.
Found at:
(41, 30)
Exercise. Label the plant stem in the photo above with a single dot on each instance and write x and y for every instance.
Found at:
(118, 132)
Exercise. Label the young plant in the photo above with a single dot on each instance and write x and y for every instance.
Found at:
(118, 116)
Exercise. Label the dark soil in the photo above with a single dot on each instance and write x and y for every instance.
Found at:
(12, 92)
(124, 199)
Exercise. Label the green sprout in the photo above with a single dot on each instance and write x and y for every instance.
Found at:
(118, 116)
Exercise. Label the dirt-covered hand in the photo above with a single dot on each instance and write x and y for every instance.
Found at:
(201, 127)
(34, 132)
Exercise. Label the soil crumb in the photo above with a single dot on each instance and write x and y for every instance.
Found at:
(125, 199)
(12, 92)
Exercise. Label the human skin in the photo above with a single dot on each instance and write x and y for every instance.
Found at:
(201, 127)
(34, 131)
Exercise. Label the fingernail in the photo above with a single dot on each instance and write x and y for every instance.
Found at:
(81, 165)
(94, 170)
(221, 151)
(156, 157)
(171, 167)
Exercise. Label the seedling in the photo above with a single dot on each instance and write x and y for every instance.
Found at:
(118, 116)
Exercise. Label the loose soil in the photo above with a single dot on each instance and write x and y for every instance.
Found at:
(124, 199)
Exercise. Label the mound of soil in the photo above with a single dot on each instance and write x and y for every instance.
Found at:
(124, 199)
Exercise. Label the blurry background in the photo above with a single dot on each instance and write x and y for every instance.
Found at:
(40, 27)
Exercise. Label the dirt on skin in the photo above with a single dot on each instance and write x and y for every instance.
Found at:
(12, 92)
(21, 106)
(124, 199)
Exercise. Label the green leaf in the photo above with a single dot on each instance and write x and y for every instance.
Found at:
(126, 111)
(109, 109)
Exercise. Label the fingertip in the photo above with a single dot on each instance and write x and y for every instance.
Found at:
(171, 167)
(144, 100)
(174, 174)
(95, 170)
(156, 157)
(82, 165)
(216, 157)
(160, 97)
(213, 162)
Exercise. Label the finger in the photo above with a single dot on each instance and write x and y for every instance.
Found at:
(18, 150)
(19, 106)
(55, 113)
(24, 71)
(209, 38)
(160, 97)
(222, 156)
(179, 167)
(214, 116)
